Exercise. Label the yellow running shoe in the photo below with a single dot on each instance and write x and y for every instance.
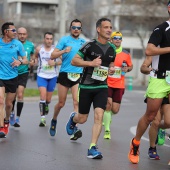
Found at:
(107, 135)
(133, 154)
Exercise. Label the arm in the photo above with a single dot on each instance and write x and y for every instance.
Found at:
(145, 67)
(57, 53)
(78, 61)
(152, 50)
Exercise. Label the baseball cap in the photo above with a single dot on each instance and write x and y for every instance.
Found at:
(168, 4)
(116, 33)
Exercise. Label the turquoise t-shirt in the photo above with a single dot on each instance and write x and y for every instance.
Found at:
(8, 51)
(75, 44)
(29, 50)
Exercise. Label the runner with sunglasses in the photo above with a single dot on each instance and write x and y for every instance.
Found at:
(69, 75)
(116, 82)
(10, 49)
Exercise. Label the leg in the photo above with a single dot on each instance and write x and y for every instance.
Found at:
(62, 95)
(74, 91)
(2, 105)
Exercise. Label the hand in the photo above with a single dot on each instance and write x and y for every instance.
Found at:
(51, 62)
(125, 69)
(111, 70)
(97, 62)
(32, 62)
(67, 49)
(15, 63)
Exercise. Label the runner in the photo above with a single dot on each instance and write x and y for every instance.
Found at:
(69, 75)
(10, 49)
(116, 82)
(47, 73)
(156, 136)
(23, 72)
(158, 88)
(97, 57)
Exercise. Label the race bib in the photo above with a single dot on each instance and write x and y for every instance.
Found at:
(73, 76)
(167, 78)
(117, 73)
(100, 73)
(47, 68)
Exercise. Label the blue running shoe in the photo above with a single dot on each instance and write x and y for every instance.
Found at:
(52, 129)
(93, 153)
(17, 123)
(12, 119)
(71, 126)
(152, 154)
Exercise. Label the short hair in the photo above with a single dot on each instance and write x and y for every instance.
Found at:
(50, 33)
(75, 20)
(99, 22)
(6, 26)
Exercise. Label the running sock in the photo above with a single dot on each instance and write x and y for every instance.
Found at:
(20, 105)
(152, 148)
(136, 142)
(13, 105)
(42, 107)
(107, 119)
(92, 144)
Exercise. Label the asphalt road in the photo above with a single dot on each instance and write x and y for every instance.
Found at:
(30, 147)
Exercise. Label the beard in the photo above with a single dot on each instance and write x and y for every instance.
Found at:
(75, 36)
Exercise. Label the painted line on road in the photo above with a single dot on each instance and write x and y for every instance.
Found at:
(133, 131)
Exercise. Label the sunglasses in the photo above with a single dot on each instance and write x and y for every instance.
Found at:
(117, 38)
(13, 30)
(74, 27)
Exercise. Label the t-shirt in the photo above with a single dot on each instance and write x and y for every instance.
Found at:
(75, 44)
(117, 80)
(160, 37)
(96, 77)
(29, 50)
(8, 51)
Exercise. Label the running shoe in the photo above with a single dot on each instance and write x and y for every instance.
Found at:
(17, 123)
(107, 135)
(152, 154)
(46, 109)
(133, 154)
(42, 122)
(52, 129)
(71, 126)
(76, 135)
(6, 128)
(93, 153)
(161, 136)
(12, 119)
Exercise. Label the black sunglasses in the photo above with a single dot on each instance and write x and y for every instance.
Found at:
(74, 27)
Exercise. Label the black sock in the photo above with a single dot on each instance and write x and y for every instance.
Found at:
(19, 108)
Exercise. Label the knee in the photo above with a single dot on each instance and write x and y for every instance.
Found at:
(61, 104)
(115, 111)
(149, 118)
(155, 123)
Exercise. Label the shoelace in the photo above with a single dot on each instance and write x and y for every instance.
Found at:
(135, 150)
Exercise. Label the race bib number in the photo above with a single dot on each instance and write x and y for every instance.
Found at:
(73, 76)
(117, 73)
(167, 78)
(47, 68)
(100, 73)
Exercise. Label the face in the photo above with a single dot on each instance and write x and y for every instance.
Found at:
(116, 40)
(10, 32)
(48, 40)
(22, 34)
(105, 30)
(75, 29)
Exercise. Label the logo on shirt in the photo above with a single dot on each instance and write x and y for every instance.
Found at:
(95, 54)
(110, 56)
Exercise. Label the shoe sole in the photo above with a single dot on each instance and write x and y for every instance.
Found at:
(76, 135)
(95, 157)
(2, 135)
(153, 158)
(42, 125)
(16, 125)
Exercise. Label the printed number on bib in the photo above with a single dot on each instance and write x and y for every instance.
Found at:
(117, 73)
(100, 73)
(47, 68)
(167, 77)
(73, 76)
